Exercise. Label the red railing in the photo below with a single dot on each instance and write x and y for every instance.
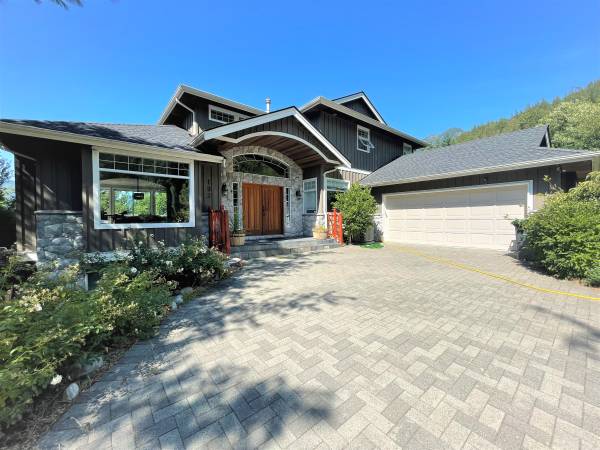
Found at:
(335, 229)
(218, 229)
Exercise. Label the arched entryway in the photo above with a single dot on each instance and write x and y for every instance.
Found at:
(262, 189)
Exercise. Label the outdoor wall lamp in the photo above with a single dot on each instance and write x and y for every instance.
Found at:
(224, 188)
(298, 194)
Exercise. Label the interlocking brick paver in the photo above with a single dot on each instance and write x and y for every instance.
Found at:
(357, 348)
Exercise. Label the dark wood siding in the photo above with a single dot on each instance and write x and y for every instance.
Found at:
(26, 201)
(207, 195)
(47, 177)
(288, 125)
(360, 106)
(183, 118)
(341, 132)
(352, 177)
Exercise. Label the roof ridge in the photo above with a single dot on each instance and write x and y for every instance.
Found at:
(506, 133)
(91, 123)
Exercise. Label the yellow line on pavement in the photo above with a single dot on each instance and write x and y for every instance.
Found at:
(451, 263)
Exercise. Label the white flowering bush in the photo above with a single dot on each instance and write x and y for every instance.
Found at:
(192, 263)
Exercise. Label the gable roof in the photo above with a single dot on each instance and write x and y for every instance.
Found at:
(508, 151)
(360, 96)
(149, 137)
(360, 117)
(223, 130)
(184, 89)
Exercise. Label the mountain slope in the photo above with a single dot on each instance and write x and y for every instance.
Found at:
(574, 121)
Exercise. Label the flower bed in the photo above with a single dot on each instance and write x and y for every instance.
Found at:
(52, 324)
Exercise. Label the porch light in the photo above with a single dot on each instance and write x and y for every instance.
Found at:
(298, 194)
(224, 188)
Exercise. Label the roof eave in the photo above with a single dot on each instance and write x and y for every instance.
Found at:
(499, 168)
(362, 95)
(358, 116)
(184, 89)
(223, 130)
(65, 136)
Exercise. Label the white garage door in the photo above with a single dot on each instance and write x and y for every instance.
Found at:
(468, 217)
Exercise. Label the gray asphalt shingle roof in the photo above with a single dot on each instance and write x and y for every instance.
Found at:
(519, 147)
(166, 136)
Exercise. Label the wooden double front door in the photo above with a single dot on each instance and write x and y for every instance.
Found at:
(263, 208)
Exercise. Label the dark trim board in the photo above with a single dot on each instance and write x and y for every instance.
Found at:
(535, 174)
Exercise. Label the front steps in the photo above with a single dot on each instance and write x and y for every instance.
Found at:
(261, 248)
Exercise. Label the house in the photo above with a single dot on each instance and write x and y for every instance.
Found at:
(94, 187)
(468, 194)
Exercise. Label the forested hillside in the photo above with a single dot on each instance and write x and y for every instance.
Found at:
(574, 121)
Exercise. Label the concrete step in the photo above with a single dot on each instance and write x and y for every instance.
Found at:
(261, 249)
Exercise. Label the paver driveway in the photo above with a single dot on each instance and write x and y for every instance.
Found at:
(358, 348)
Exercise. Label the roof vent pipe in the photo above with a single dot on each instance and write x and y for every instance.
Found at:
(268, 105)
(195, 128)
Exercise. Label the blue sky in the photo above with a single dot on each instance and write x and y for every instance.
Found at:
(427, 65)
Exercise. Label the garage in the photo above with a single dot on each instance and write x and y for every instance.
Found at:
(476, 216)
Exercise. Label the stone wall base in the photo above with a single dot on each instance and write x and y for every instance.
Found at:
(60, 238)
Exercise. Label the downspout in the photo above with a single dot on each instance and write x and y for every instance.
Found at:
(195, 127)
(324, 195)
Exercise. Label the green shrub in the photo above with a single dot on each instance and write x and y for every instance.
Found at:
(132, 304)
(54, 322)
(40, 331)
(51, 323)
(563, 237)
(592, 276)
(357, 206)
(12, 274)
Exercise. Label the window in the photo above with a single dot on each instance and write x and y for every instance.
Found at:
(288, 204)
(334, 186)
(138, 192)
(260, 165)
(407, 149)
(221, 115)
(363, 139)
(236, 200)
(310, 195)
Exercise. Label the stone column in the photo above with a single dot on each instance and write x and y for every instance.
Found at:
(60, 238)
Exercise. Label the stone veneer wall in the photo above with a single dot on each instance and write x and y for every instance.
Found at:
(59, 236)
(378, 227)
(291, 227)
(310, 220)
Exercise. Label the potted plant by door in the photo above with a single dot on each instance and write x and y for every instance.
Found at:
(319, 232)
(238, 235)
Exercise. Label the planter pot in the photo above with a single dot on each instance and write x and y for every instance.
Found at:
(320, 234)
(238, 239)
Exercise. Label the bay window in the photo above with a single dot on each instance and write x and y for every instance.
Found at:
(135, 191)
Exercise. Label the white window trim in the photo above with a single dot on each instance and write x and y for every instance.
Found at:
(368, 131)
(316, 208)
(236, 116)
(326, 191)
(337, 179)
(407, 149)
(287, 204)
(95, 204)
